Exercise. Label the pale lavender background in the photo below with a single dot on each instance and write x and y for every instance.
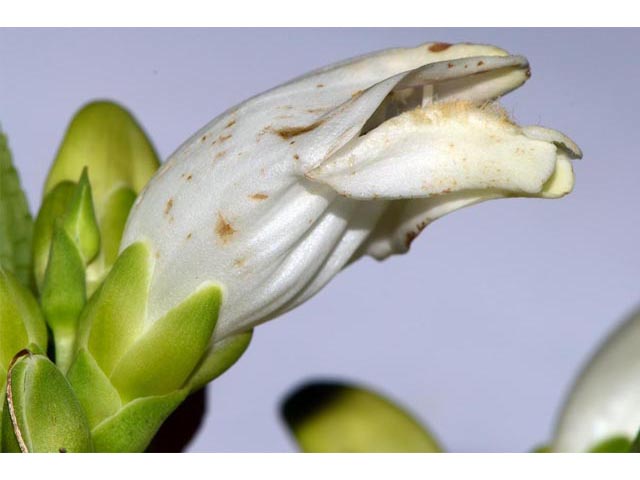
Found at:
(479, 329)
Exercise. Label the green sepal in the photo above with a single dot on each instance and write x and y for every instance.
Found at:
(106, 138)
(332, 417)
(80, 220)
(133, 427)
(21, 321)
(617, 444)
(53, 207)
(41, 412)
(219, 358)
(114, 317)
(63, 293)
(16, 224)
(93, 389)
(164, 357)
(112, 222)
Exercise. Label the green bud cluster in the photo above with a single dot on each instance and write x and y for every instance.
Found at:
(117, 375)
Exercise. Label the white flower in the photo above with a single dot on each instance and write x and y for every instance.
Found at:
(275, 196)
(605, 399)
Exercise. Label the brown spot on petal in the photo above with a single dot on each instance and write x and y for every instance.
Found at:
(168, 206)
(220, 155)
(288, 132)
(189, 177)
(296, 157)
(238, 262)
(528, 73)
(259, 196)
(189, 236)
(450, 65)
(320, 85)
(480, 63)
(356, 94)
(409, 238)
(224, 138)
(230, 124)
(224, 230)
(439, 47)
(204, 138)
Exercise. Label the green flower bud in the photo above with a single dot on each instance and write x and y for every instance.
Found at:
(80, 220)
(41, 412)
(104, 137)
(16, 225)
(333, 417)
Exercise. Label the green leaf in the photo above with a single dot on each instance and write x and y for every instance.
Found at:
(133, 427)
(63, 294)
(164, 357)
(335, 417)
(41, 413)
(80, 220)
(54, 206)
(106, 138)
(21, 321)
(93, 389)
(114, 318)
(218, 358)
(617, 444)
(635, 446)
(16, 224)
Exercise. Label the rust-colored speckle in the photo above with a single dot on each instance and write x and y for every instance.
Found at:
(224, 230)
(316, 110)
(480, 63)
(239, 262)
(409, 238)
(450, 65)
(220, 154)
(204, 138)
(528, 73)
(224, 138)
(189, 177)
(168, 206)
(292, 142)
(439, 47)
(356, 94)
(230, 124)
(189, 236)
(296, 157)
(259, 196)
(466, 66)
(320, 85)
(288, 132)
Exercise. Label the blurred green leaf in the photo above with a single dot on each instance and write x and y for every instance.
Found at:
(336, 417)
(16, 224)
(104, 137)
(41, 412)
(618, 444)
(635, 445)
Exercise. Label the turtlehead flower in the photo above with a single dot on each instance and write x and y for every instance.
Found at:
(603, 402)
(274, 197)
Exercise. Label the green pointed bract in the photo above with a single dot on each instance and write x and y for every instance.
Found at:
(104, 137)
(133, 427)
(218, 358)
(95, 392)
(617, 444)
(41, 412)
(114, 318)
(112, 222)
(80, 220)
(334, 417)
(16, 224)
(63, 293)
(161, 361)
(21, 321)
(635, 445)
(53, 207)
